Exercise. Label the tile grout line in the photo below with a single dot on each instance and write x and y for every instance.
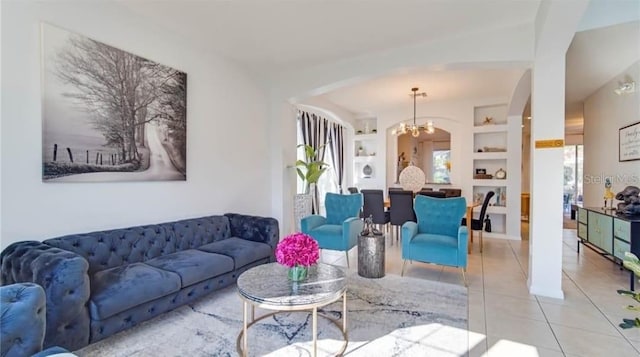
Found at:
(546, 319)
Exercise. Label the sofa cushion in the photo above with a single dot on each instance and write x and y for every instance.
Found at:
(121, 288)
(193, 266)
(241, 250)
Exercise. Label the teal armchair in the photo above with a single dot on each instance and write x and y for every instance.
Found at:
(340, 228)
(437, 237)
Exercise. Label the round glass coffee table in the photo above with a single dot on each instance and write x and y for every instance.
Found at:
(268, 287)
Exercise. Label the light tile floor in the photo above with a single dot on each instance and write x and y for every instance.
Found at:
(505, 320)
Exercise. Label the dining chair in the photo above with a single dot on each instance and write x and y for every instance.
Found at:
(340, 228)
(401, 209)
(374, 207)
(451, 192)
(437, 237)
(430, 193)
(478, 224)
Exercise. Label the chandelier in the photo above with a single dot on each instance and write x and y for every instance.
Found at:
(414, 129)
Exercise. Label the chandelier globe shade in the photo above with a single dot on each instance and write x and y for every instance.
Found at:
(414, 128)
(412, 178)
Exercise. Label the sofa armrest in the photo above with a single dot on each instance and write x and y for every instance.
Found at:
(63, 275)
(255, 228)
(310, 222)
(22, 320)
(352, 228)
(463, 246)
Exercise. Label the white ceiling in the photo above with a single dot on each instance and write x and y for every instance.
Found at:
(595, 57)
(274, 35)
(370, 98)
(277, 34)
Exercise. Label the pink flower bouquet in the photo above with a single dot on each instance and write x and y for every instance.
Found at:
(297, 249)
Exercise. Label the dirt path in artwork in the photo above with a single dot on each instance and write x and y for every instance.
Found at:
(160, 166)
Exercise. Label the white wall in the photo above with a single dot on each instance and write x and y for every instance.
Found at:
(604, 113)
(228, 168)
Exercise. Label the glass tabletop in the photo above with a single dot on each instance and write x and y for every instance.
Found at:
(269, 284)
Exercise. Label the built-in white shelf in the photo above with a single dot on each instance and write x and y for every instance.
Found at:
(490, 128)
(366, 158)
(489, 183)
(490, 155)
(372, 136)
(497, 209)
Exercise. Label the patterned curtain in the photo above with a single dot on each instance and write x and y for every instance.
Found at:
(315, 132)
(337, 152)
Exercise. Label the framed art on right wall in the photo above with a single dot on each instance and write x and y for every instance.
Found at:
(629, 142)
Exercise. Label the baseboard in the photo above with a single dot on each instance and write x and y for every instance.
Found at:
(499, 236)
(552, 293)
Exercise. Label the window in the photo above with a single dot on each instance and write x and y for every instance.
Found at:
(441, 162)
(573, 156)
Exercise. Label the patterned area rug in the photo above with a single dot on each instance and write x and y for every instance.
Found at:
(392, 316)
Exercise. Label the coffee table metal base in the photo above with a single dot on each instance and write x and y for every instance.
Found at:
(241, 342)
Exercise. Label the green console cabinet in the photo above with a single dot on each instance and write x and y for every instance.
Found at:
(612, 234)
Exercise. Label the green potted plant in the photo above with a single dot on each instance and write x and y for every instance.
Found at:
(309, 170)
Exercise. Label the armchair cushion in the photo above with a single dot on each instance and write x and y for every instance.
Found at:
(329, 236)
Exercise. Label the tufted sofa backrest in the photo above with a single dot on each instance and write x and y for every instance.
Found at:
(108, 249)
(112, 248)
(193, 233)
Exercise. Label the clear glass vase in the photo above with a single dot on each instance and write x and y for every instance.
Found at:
(298, 273)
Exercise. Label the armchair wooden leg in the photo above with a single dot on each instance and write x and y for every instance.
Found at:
(464, 276)
(404, 262)
(470, 242)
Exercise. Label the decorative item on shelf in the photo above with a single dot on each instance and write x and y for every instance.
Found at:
(374, 131)
(608, 194)
(498, 190)
(487, 224)
(630, 204)
(297, 251)
(412, 178)
(481, 174)
(447, 164)
(492, 149)
(479, 150)
(487, 121)
(501, 174)
(359, 132)
(367, 171)
(503, 196)
(478, 197)
(361, 151)
(414, 128)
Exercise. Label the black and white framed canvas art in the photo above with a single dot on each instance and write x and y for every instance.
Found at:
(109, 115)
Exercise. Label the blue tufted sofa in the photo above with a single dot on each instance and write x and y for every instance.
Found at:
(100, 283)
(22, 321)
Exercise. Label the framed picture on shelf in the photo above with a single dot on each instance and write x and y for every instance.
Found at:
(629, 142)
(481, 171)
